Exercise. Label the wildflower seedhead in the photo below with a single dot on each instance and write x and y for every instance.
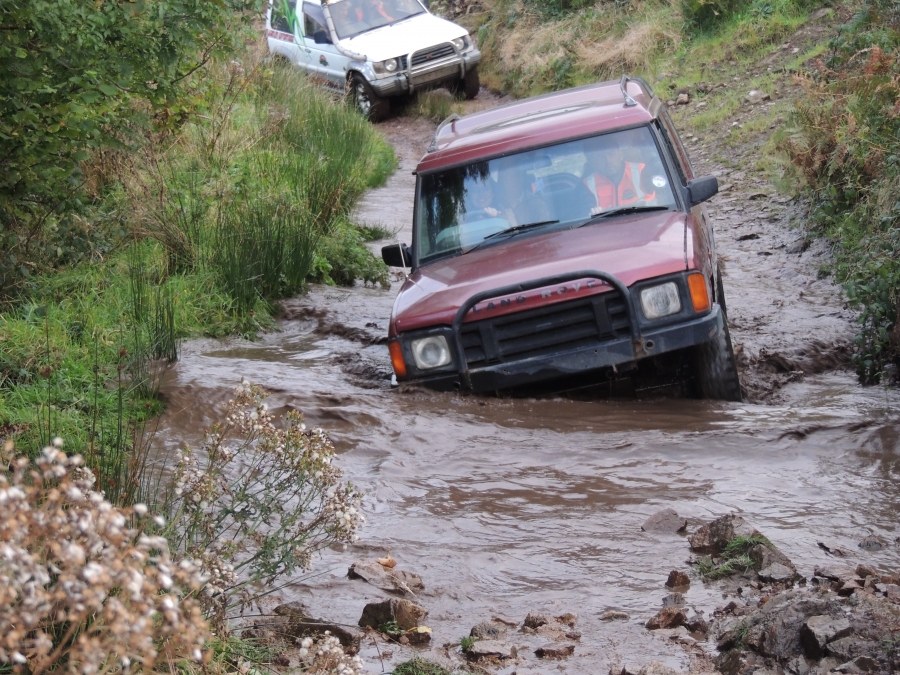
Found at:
(82, 589)
(257, 500)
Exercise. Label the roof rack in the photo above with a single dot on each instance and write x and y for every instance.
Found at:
(623, 84)
(452, 118)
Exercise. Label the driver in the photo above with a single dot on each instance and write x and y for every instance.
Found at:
(480, 196)
(519, 202)
(613, 181)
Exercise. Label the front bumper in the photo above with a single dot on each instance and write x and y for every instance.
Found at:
(433, 75)
(644, 341)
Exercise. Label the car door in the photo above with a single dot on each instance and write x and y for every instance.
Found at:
(284, 36)
(330, 65)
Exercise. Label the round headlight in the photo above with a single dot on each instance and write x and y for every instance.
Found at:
(431, 352)
(390, 65)
(459, 43)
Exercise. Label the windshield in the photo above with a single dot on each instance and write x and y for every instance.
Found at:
(352, 17)
(567, 184)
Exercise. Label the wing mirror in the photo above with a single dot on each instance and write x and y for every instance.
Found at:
(320, 37)
(396, 255)
(701, 189)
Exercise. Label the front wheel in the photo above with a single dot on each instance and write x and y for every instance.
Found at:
(365, 100)
(469, 85)
(715, 368)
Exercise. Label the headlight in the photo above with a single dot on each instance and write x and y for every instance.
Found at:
(661, 300)
(388, 66)
(461, 43)
(431, 352)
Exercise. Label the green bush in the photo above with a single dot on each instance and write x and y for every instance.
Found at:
(846, 145)
(81, 76)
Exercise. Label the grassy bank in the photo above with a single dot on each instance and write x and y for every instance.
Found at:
(532, 47)
(240, 207)
(845, 145)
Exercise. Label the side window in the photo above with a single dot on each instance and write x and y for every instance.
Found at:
(313, 19)
(281, 10)
(683, 163)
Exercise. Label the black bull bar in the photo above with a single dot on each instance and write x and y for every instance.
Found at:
(637, 341)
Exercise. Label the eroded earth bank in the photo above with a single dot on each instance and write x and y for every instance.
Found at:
(514, 507)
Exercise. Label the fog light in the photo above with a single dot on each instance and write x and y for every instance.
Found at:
(662, 300)
(431, 352)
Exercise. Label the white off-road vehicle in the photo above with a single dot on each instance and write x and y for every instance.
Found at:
(373, 49)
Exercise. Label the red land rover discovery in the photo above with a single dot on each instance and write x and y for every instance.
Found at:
(561, 238)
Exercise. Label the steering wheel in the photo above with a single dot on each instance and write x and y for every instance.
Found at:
(570, 198)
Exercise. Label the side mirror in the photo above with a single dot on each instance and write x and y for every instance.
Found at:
(701, 189)
(320, 37)
(396, 255)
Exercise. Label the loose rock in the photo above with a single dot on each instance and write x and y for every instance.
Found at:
(488, 630)
(754, 96)
(668, 617)
(491, 649)
(407, 614)
(683, 99)
(819, 631)
(657, 668)
(299, 623)
(613, 615)
(386, 579)
(557, 650)
(568, 619)
(535, 620)
(666, 520)
(714, 536)
(873, 542)
(678, 579)
(777, 573)
(674, 600)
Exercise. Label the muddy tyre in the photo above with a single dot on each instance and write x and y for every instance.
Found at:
(365, 100)
(715, 367)
(468, 86)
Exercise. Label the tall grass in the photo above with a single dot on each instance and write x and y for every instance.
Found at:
(845, 144)
(528, 51)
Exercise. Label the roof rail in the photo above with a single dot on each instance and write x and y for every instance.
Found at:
(623, 84)
(452, 118)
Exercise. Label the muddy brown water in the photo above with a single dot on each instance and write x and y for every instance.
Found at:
(507, 506)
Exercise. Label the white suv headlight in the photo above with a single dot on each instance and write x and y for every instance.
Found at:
(431, 352)
(387, 66)
(661, 300)
(461, 43)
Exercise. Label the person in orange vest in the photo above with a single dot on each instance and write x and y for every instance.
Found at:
(613, 181)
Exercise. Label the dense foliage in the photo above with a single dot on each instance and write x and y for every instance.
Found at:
(80, 76)
(847, 146)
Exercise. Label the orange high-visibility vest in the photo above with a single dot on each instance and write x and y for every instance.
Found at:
(609, 195)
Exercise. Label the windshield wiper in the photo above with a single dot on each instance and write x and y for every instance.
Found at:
(620, 211)
(512, 231)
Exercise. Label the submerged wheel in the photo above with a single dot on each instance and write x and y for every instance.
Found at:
(371, 105)
(714, 364)
(469, 85)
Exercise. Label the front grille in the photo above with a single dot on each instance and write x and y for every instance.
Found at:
(536, 332)
(432, 54)
(403, 62)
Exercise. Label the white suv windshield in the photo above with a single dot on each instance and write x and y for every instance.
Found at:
(352, 17)
(570, 183)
